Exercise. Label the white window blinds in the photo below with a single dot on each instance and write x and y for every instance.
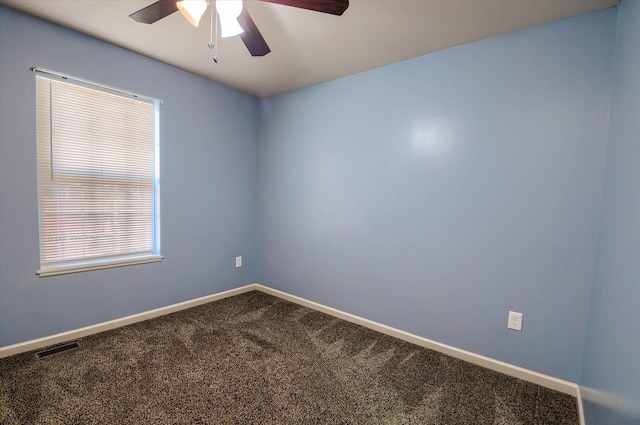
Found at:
(97, 177)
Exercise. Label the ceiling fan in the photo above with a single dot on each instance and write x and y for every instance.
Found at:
(233, 16)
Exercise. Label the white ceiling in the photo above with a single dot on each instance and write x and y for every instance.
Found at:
(306, 47)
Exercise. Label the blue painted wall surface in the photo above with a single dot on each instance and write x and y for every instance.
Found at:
(611, 366)
(431, 195)
(435, 194)
(208, 186)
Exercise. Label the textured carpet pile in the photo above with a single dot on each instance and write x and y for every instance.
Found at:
(257, 359)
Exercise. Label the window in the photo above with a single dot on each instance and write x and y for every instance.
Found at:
(98, 176)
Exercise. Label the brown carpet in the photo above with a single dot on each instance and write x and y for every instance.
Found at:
(257, 359)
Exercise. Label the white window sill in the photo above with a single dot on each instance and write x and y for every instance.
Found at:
(96, 265)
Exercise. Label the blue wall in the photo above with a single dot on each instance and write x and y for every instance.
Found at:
(435, 194)
(611, 366)
(431, 195)
(208, 186)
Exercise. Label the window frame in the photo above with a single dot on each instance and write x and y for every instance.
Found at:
(45, 140)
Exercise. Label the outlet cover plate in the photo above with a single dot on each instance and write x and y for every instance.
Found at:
(515, 321)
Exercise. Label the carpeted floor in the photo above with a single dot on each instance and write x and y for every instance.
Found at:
(256, 359)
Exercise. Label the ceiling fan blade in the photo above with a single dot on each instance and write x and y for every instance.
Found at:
(334, 7)
(251, 37)
(155, 11)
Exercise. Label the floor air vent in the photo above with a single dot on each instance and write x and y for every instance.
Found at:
(57, 350)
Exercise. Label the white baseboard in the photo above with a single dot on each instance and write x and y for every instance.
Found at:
(497, 365)
(47, 341)
(580, 406)
(487, 362)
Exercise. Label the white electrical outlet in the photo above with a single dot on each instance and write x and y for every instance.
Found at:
(515, 321)
(239, 261)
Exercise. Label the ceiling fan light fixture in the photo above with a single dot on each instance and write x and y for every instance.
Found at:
(230, 28)
(228, 11)
(192, 10)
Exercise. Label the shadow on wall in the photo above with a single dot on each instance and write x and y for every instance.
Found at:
(627, 411)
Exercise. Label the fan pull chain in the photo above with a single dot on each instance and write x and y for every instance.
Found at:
(215, 55)
(211, 27)
(211, 44)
